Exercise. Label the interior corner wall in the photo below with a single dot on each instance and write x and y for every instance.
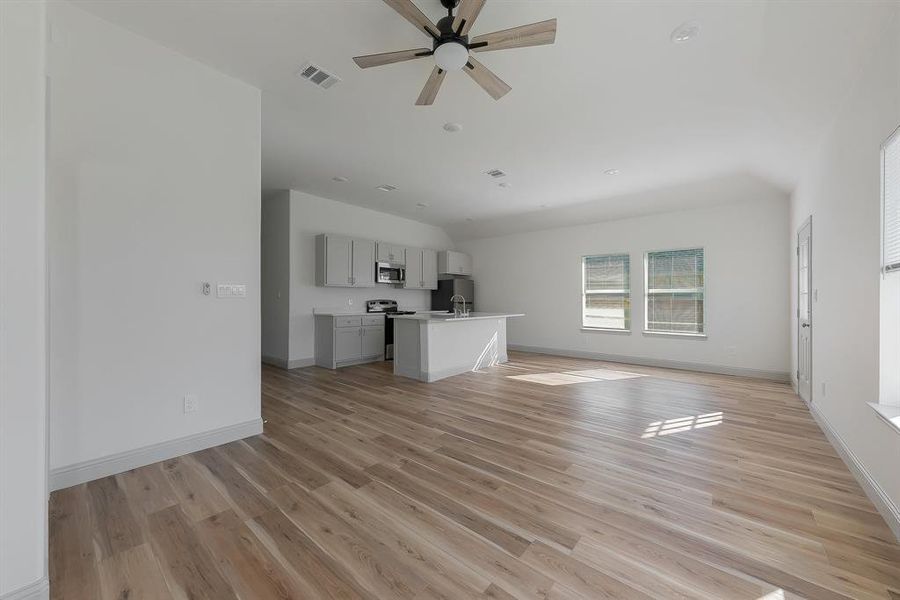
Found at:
(154, 188)
(312, 215)
(276, 277)
(23, 301)
(841, 191)
(539, 274)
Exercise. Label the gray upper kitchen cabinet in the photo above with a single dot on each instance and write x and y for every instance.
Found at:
(344, 262)
(391, 253)
(451, 262)
(413, 269)
(421, 269)
(429, 269)
(363, 263)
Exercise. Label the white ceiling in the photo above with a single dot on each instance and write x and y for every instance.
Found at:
(751, 97)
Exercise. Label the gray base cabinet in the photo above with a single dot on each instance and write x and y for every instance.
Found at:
(343, 340)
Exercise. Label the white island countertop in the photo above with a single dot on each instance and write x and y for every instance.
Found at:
(450, 318)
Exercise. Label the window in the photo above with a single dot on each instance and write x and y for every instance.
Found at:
(890, 191)
(674, 282)
(606, 292)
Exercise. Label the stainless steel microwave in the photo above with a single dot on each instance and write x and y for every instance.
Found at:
(388, 273)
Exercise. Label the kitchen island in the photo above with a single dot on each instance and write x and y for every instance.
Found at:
(432, 346)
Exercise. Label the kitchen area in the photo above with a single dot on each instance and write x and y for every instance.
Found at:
(448, 338)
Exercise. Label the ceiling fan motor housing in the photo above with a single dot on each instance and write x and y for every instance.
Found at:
(449, 4)
(445, 26)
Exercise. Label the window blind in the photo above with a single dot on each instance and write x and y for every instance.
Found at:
(675, 291)
(606, 298)
(891, 203)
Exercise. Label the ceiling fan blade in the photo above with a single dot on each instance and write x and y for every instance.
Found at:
(429, 92)
(411, 13)
(466, 13)
(484, 77)
(535, 34)
(387, 58)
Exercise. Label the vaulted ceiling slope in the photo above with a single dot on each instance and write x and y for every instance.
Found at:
(752, 94)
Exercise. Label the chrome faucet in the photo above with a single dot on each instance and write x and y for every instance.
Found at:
(457, 311)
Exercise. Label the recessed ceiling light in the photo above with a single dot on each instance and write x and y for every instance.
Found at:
(495, 173)
(452, 127)
(545, 206)
(611, 171)
(685, 32)
(340, 179)
(421, 205)
(505, 184)
(469, 219)
(386, 188)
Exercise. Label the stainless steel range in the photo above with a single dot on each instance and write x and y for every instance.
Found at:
(389, 308)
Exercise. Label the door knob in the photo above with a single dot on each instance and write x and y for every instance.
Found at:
(804, 325)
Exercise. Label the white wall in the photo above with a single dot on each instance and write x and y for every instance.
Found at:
(539, 273)
(276, 277)
(312, 215)
(23, 300)
(841, 191)
(154, 188)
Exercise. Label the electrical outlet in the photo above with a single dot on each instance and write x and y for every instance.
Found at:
(191, 404)
(349, 301)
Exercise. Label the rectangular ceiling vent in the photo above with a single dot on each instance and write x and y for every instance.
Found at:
(386, 188)
(496, 173)
(315, 74)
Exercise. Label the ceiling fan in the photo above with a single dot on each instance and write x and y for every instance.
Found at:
(451, 45)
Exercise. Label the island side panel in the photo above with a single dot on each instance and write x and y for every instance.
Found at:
(454, 347)
(408, 349)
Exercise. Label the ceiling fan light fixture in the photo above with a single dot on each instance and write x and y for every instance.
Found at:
(451, 56)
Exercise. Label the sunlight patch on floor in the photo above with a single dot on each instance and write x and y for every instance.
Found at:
(570, 377)
(681, 424)
(774, 595)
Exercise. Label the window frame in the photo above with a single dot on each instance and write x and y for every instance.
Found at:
(626, 292)
(683, 334)
(882, 259)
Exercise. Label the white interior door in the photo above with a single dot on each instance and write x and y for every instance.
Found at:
(804, 311)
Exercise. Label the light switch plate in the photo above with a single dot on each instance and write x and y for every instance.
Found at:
(231, 290)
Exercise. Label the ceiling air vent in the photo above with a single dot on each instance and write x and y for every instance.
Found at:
(386, 188)
(315, 74)
(496, 173)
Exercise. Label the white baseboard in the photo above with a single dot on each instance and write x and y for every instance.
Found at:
(658, 362)
(39, 590)
(90, 470)
(886, 507)
(289, 364)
